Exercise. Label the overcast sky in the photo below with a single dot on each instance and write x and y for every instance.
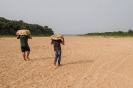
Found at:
(72, 16)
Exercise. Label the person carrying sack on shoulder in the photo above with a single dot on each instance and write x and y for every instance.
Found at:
(24, 44)
(57, 41)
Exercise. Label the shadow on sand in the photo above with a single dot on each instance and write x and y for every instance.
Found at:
(78, 62)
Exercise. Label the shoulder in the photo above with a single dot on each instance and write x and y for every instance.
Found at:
(18, 37)
(59, 40)
(28, 35)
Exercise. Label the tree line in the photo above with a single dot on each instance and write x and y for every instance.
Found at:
(10, 27)
(115, 33)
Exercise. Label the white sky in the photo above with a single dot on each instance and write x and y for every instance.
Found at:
(72, 16)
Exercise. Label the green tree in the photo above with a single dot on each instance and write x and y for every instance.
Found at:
(9, 27)
(130, 31)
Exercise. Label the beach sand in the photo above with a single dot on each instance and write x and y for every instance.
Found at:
(87, 62)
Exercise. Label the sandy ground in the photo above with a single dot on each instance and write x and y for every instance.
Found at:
(87, 62)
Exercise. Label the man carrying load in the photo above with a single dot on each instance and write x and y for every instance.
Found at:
(24, 35)
(57, 40)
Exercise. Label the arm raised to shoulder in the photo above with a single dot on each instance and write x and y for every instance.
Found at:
(63, 41)
(30, 36)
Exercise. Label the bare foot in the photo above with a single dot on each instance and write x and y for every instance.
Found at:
(54, 64)
(25, 59)
(28, 58)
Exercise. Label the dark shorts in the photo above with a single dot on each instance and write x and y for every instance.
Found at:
(24, 49)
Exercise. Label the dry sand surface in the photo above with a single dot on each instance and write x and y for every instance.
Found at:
(87, 62)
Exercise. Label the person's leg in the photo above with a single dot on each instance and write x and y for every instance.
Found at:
(23, 52)
(59, 57)
(24, 55)
(56, 56)
(28, 53)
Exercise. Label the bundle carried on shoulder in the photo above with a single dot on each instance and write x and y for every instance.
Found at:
(57, 37)
(23, 32)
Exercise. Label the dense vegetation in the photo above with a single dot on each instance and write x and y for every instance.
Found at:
(116, 34)
(9, 27)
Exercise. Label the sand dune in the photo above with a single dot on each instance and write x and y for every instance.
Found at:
(87, 62)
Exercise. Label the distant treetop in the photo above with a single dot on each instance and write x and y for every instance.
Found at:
(10, 27)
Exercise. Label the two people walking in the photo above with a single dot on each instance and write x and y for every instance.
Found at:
(26, 49)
